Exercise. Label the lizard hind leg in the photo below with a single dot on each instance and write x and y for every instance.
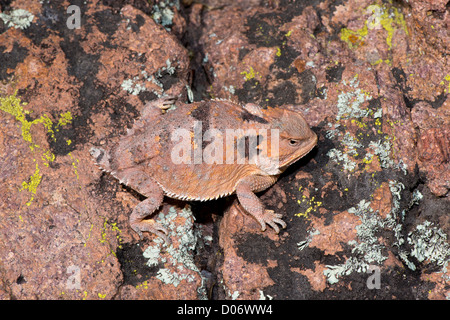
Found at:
(140, 220)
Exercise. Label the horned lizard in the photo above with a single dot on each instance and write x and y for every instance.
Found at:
(206, 150)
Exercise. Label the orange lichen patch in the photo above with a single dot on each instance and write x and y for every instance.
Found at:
(31, 68)
(316, 278)
(392, 261)
(299, 64)
(272, 263)
(440, 290)
(11, 37)
(382, 200)
(256, 64)
(303, 175)
(372, 164)
(330, 186)
(33, 7)
(342, 230)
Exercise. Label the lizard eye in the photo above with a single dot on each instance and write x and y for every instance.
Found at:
(293, 142)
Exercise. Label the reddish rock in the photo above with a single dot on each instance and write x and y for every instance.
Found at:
(59, 215)
(434, 159)
(371, 78)
(433, 145)
(241, 279)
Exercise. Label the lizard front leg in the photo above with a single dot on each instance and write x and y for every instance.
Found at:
(245, 191)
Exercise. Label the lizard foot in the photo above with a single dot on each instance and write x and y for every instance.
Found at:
(272, 219)
(155, 108)
(149, 225)
(165, 103)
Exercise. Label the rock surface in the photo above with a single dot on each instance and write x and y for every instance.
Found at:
(367, 211)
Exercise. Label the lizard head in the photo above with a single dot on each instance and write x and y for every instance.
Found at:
(295, 138)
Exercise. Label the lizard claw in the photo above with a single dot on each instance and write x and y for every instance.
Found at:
(166, 102)
(151, 226)
(272, 219)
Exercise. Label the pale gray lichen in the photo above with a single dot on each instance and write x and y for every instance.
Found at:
(349, 107)
(324, 91)
(341, 158)
(396, 188)
(163, 13)
(205, 59)
(132, 86)
(19, 19)
(181, 258)
(378, 113)
(430, 243)
(351, 265)
(427, 242)
(230, 89)
(368, 245)
(383, 151)
(262, 296)
(351, 144)
(367, 249)
(168, 68)
(415, 198)
(137, 84)
(334, 131)
(311, 233)
(349, 103)
(153, 254)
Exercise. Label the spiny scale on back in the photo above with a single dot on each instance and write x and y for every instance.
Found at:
(142, 159)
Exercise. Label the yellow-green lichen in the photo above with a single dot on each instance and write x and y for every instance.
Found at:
(377, 62)
(278, 54)
(89, 235)
(248, 75)
(354, 38)
(31, 186)
(360, 124)
(387, 18)
(113, 227)
(65, 119)
(48, 157)
(143, 285)
(14, 106)
(75, 163)
(311, 204)
(447, 78)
